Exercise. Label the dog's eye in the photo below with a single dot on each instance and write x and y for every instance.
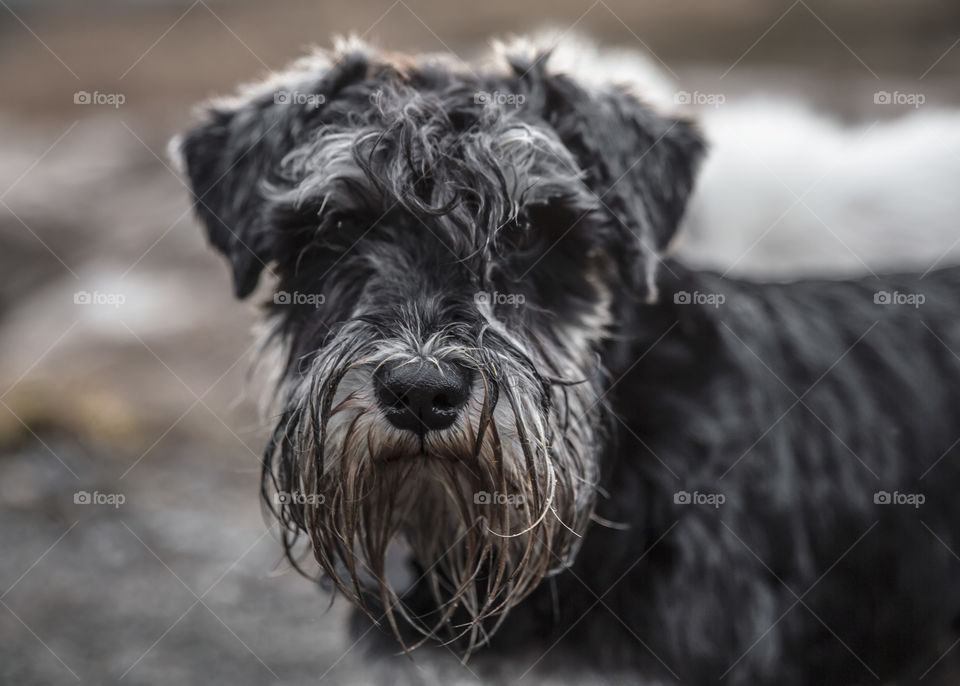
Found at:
(517, 226)
(517, 236)
(341, 225)
(539, 225)
(344, 222)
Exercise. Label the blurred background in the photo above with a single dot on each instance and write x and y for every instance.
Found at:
(132, 545)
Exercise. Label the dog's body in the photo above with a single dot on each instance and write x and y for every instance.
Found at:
(800, 576)
(798, 403)
(687, 472)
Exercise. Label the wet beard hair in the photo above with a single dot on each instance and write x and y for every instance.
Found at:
(487, 508)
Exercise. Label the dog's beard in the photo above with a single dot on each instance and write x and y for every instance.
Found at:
(487, 508)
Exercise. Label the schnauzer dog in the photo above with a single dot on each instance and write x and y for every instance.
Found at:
(581, 447)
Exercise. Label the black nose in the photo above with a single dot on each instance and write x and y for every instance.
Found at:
(422, 395)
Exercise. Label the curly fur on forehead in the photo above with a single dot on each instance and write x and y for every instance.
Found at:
(437, 138)
(434, 155)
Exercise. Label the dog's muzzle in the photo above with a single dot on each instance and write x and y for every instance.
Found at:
(422, 395)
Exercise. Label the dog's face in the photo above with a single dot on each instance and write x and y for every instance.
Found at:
(450, 253)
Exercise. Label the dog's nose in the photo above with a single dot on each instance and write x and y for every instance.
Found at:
(422, 395)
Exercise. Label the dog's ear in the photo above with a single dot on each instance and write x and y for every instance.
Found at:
(223, 159)
(641, 164)
(235, 153)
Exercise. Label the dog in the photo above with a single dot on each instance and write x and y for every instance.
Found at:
(584, 451)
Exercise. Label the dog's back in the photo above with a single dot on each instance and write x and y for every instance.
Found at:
(818, 422)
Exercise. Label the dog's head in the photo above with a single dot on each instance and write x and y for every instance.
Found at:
(450, 250)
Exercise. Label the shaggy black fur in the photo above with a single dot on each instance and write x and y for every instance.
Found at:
(799, 403)
(786, 407)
